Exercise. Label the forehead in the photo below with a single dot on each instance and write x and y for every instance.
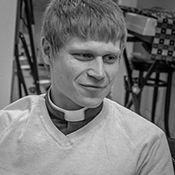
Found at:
(77, 44)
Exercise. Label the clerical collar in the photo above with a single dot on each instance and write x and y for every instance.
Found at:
(68, 115)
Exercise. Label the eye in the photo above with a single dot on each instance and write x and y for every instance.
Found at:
(83, 56)
(110, 59)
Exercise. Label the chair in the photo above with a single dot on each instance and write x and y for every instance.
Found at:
(162, 50)
(146, 68)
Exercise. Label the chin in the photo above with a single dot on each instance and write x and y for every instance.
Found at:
(92, 102)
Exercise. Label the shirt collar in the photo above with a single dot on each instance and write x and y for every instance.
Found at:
(68, 115)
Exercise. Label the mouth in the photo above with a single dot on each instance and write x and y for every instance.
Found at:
(92, 87)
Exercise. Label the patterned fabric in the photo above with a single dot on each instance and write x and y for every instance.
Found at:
(130, 9)
(163, 47)
(158, 12)
(154, 12)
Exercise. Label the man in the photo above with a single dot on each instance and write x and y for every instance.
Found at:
(73, 128)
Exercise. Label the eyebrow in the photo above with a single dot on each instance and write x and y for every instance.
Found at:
(79, 50)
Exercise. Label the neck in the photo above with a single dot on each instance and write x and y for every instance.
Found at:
(68, 115)
(65, 104)
(70, 121)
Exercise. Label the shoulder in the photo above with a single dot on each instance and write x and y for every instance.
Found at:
(134, 128)
(19, 111)
(146, 142)
(23, 104)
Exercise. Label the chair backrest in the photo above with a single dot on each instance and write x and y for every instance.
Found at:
(171, 143)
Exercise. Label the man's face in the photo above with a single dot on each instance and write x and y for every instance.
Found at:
(82, 73)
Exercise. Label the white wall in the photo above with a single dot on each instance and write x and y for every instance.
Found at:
(7, 29)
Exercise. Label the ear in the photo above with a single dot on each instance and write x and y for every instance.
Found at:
(46, 51)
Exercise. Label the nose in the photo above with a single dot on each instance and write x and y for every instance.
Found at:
(97, 69)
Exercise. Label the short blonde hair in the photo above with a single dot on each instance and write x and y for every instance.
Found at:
(99, 20)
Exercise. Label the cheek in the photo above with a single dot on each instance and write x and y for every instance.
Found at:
(112, 72)
(69, 71)
(75, 68)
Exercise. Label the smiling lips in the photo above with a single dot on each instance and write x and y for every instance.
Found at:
(92, 86)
